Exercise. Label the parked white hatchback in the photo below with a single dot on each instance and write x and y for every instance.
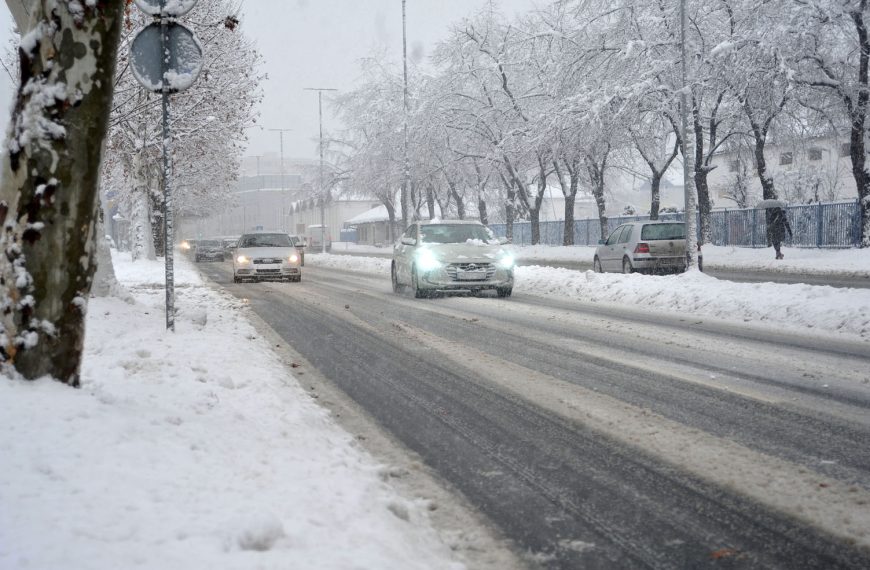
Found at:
(649, 247)
(456, 255)
(265, 256)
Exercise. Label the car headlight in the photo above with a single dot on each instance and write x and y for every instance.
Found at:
(185, 245)
(242, 259)
(506, 262)
(426, 260)
(294, 258)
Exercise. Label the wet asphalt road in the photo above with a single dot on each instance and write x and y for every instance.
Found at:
(528, 405)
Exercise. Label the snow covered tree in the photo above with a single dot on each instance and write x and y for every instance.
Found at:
(833, 58)
(208, 123)
(49, 192)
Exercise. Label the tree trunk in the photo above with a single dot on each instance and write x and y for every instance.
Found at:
(568, 233)
(596, 177)
(105, 282)
(430, 201)
(481, 210)
(156, 219)
(655, 194)
(704, 205)
(859, 118)
(48, 198)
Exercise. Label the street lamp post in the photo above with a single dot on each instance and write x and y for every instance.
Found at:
(320, 91)
(283, 197)
(406, 174)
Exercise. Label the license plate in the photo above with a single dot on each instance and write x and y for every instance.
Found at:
(471, 275)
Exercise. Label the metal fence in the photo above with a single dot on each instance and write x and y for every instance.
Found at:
(835, 225)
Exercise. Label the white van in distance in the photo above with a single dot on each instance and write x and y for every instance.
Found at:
(314, 236)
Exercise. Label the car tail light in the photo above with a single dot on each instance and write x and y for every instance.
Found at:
(642, 248)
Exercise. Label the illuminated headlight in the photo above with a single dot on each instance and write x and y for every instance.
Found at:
(426, 261)
(506, 262)
(185, 245)
(242, 259)
(294, 258)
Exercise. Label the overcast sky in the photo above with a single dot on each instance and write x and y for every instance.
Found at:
(318, 43)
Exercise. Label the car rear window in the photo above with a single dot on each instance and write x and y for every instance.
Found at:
(652, 232)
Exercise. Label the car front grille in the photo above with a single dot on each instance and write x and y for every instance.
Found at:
(268, 271)
(456, 270)
(263, 260)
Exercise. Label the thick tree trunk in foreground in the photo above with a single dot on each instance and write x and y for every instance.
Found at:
(48, 198)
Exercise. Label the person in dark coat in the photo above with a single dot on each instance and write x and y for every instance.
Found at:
(777, 225)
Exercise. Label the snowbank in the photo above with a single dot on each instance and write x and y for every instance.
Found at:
(190, 450)
(797, 306)
(845, 262)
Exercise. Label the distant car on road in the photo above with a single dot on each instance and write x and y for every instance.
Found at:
(299, 243)
(654, 247)
(452, 256)
(266, 256)
(209, 250)
(230, 244)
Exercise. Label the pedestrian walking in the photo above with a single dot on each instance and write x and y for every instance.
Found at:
(777, 225)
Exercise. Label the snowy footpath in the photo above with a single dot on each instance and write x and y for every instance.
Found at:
(191, 450)
(798, 307)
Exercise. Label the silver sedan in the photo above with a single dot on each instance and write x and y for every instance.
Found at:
(452, 256)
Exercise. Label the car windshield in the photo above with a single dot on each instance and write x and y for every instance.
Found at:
(265, 240)
(209, 243)
(652, 232)
(455, 233)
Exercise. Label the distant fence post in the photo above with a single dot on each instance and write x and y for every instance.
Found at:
(727, 232)
(820, 224)
(754, 212)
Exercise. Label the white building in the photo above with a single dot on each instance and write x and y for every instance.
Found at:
(813, 170)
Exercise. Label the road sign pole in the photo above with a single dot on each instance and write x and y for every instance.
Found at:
(168, 237)
(161, 50)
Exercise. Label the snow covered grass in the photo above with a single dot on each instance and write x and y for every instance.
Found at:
(191, 450)
(796, 306)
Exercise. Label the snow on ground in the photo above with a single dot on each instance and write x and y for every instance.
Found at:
(797, 306)
(851, 261)
(191, 450)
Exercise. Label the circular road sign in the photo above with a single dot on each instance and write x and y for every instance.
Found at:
(183, 57)
(164, 8)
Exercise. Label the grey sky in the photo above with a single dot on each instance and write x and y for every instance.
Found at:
(318, 43)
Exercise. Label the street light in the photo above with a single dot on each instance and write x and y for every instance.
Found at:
(283, 197)
(320, 91)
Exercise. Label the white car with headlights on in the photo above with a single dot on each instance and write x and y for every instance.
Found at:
(456, 255)
(266, 256)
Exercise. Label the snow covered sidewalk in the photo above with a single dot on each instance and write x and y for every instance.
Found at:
(191, 450)
(794, 306)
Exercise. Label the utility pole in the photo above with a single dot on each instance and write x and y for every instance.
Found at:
(283, 196)
(688, 187)
(320, 91)
(406, 175)
(259, 187)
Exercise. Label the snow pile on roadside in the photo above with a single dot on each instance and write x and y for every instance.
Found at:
(797, 306)
(852, 261)
(190, 450)
(794, 305)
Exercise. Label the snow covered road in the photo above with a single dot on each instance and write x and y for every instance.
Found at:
(602, 436)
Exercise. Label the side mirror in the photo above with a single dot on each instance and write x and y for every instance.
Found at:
(602, 241)
(409, 241)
